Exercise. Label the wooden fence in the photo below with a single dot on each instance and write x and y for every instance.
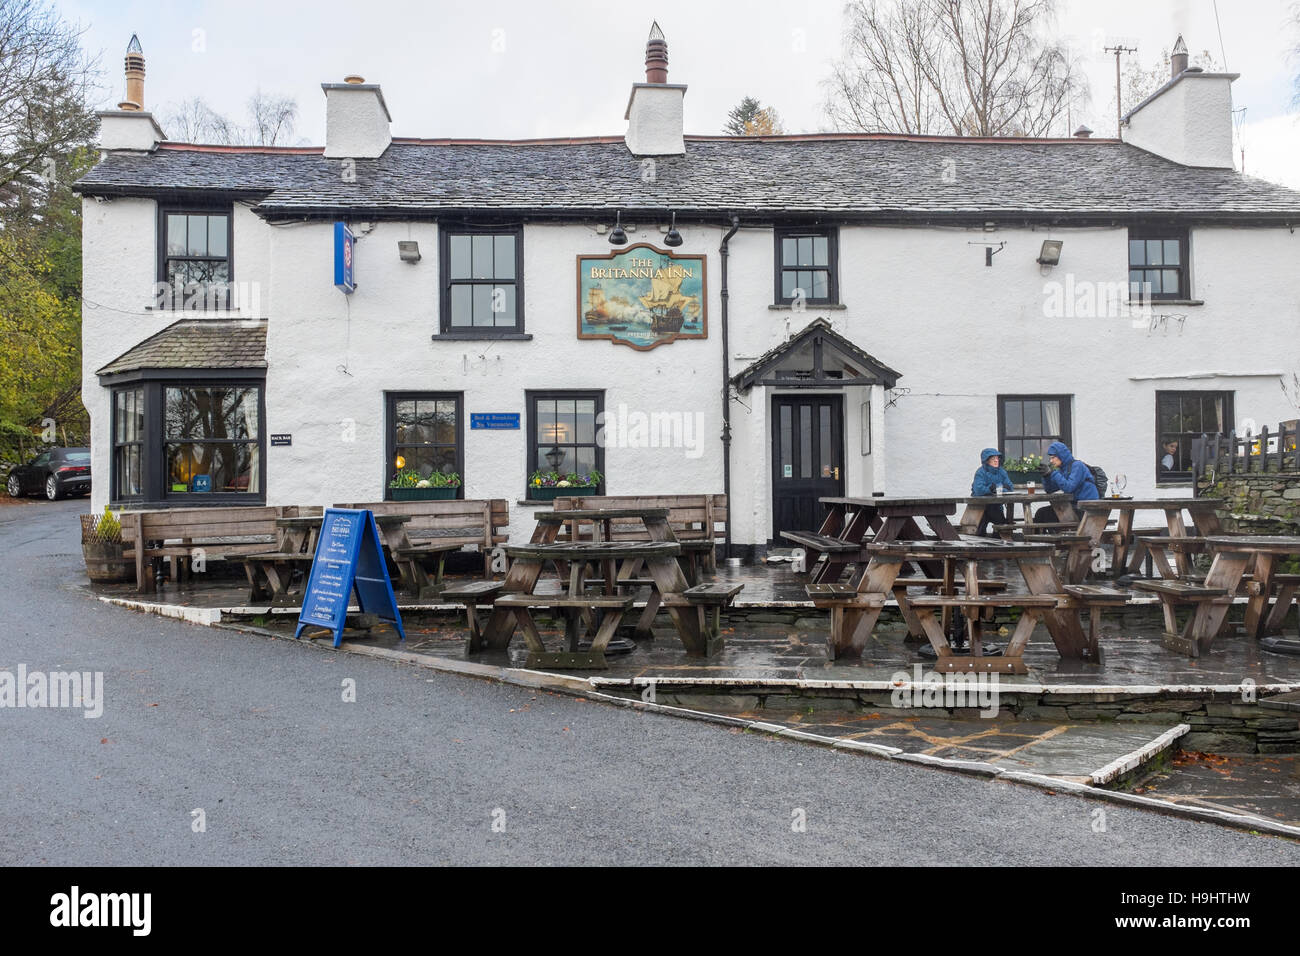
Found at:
(1276, 449)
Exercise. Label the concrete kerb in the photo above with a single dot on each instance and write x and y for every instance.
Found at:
(590, 688)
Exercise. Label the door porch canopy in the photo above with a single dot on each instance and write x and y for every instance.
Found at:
(815, 357)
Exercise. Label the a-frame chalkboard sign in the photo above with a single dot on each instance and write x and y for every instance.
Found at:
(348, 557)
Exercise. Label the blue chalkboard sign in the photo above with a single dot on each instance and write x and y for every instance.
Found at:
(348, 557)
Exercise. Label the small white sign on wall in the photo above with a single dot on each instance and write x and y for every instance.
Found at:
(787, 471)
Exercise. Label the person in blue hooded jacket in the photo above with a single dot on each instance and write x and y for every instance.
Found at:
(988, 479)
(1069, 475)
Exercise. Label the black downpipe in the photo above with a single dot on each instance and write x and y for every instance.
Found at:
(726, 387)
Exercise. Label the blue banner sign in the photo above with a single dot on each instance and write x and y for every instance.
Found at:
(344, 265)
(348, 558)
(494, 420)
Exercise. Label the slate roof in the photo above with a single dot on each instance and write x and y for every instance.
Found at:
(851, 176)
(196, 344)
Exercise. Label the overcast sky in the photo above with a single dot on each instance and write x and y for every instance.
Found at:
(507, 69)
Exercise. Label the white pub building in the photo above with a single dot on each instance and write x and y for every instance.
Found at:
(776, 317)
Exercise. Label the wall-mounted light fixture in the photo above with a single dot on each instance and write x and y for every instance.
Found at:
(617, 236)
(408, 250)
(674, 238)
(1050, 254)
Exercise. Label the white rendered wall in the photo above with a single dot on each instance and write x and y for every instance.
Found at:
(920, 300)
(1190, 122)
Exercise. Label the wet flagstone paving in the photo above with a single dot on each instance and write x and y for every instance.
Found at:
(1265, 785)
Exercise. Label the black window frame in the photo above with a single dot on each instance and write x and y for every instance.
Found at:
(1146, 233)
(168, 302)
(390, 433)
(1066, 402)
(114, 489)
(1185, 477)
(832, 235)
(157, 493)
(445, 282)
(531, 397)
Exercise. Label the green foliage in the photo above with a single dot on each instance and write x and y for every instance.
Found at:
(1028, 463)
(410, 478)
(553, 479)
(110, 528)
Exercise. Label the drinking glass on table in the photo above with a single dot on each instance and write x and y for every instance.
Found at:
(1119, 482)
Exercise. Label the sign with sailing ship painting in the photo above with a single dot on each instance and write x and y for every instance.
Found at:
(642, 297)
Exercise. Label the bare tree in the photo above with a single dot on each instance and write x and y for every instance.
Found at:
(46, 86)
(272, 118)
(963, 67)
(271, 121)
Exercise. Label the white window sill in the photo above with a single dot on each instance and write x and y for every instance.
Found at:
(809, 307)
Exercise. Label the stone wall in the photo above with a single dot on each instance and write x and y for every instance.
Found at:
(1266, 503)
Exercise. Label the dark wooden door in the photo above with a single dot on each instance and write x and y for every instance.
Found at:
(807, 459)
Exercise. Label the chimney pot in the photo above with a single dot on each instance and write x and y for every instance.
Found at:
(1178, 59)
(656, 56)
(354, 79)
(134, 101)
(1083, 132)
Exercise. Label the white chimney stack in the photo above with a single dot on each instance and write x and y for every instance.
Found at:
(654, 110)
(1188, 120)
(130, 126)
(357, 122)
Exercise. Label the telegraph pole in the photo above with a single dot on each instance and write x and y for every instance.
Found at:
(1119, 113)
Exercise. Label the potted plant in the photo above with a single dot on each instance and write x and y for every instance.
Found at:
(410, 485)
(1025, 470)
(549, 485)
(101, 547)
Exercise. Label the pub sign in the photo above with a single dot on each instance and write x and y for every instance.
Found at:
(642, 297)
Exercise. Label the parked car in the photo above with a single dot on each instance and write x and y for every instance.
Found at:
(54, 473)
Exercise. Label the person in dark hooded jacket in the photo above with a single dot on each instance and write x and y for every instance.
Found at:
(1070, 475)
(988, 479)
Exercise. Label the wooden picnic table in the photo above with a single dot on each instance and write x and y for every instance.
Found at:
(854, 612)
(628, 559)
(1062, 503)
(1128, 549)
(851, 522)
(693, 557)
(1234, 555)
(271, 574)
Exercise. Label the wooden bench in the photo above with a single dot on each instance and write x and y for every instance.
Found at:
(184, 535)
(576, 608)
(1093, 598)
(1176, 594)
(474, 595)
(821, 543)
(701, 519)
(708, 600)
(438, 528)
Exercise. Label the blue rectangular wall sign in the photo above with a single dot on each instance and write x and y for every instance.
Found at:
(344, 264)
(348, 557)
(494, 420)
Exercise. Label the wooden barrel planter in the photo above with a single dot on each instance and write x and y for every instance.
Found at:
(102, 550)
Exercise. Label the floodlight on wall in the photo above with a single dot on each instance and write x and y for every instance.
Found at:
(617, 236)
(674, 238)
(408, 250)
(1050, 254)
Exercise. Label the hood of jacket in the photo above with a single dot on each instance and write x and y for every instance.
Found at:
(1062, 451)
(988, 453)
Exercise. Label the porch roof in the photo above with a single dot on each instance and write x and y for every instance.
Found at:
(196, 344)
(812, 352)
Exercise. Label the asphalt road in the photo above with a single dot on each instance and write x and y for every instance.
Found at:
(255, 733)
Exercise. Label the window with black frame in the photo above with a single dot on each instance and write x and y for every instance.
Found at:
(425, 439)
(1157, 264)
(212, 439)
(482, 289)
(1027, 424)
(562, 432)
(806, 266)
(128, 443)
(195, 258)
(1182, 417)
